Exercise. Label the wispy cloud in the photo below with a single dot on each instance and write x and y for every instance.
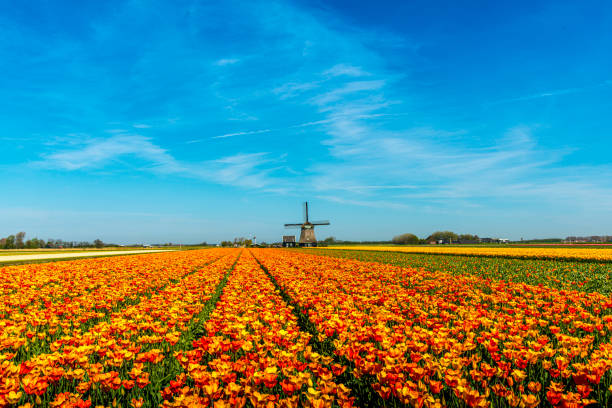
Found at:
(248, 170)
(227, 61)
(97, 153)
(141, 126)
(365, 203)
(252, 132)
(424, 165)
(551, 93)
(293, 89)
(345, 69)
(244, 170)
(260, 131)
(348, 89)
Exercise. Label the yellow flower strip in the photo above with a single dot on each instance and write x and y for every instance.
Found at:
(594, 254)
(254, 352)
(52, 299)
(128, 354)
(436, 339)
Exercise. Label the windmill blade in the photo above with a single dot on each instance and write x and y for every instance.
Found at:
(306, 212)
(293, 225)
(320, 222)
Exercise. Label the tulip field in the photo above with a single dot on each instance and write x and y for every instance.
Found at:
(594, 253)
(273, 327)
(589, 275)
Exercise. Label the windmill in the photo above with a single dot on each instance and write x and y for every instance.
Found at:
(307, 235)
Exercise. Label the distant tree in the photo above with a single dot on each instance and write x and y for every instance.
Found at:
(10, 242)
(98, 243)
(226, 243)
(19, 240)
(329, 240)
(33, 243)
(2, 242)
(242, 241)
(406, 239)
(444, 236)
(468, 238)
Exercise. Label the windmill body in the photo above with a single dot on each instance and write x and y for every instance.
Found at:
(307, 234)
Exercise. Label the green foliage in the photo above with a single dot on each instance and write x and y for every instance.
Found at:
(406, 239)
(34, 243)
(444, 236)
(9, 242)
(468, 238)
(19, 244)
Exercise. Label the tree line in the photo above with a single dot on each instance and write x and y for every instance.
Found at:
(240, 242)
(18, 241)
(438, 237)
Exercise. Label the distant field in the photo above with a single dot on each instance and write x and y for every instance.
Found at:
(10, 252)
(590, 253)
(50, 256)
(555, 273)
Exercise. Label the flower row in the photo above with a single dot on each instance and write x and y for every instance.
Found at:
(254, 352)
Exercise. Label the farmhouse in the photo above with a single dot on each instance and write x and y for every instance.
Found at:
(289, 241)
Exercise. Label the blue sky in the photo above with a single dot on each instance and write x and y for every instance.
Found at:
(185, 121)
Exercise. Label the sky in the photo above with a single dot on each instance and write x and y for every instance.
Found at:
(189, 121)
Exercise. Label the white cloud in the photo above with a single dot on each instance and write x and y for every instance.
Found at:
(244, 170)
(365, 203)
(252, 132)
(96, 153)
(345, 70)
(227, 61)
(348, 89)
(556, 92)
(141, 126)
(292, 89)
(425, 165)
(252, 170)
